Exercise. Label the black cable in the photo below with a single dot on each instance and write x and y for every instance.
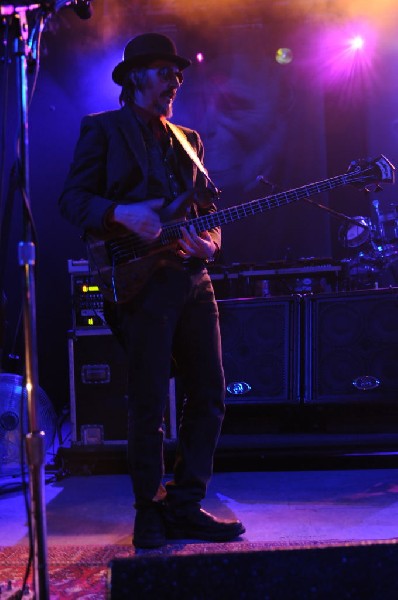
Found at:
(6, 62)
(35, 45)
(17, 182)
(25, 490)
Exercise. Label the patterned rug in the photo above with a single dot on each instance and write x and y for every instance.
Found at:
(80, 572)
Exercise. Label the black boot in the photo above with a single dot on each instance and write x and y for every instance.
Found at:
(192, 522)
(149, 527)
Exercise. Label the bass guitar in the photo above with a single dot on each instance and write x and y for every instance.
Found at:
(122, 265)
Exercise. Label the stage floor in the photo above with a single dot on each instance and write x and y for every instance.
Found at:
(285, 507)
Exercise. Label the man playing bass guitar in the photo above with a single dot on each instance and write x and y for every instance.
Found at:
(129, 174)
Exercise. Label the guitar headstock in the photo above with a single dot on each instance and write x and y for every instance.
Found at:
(378, 170)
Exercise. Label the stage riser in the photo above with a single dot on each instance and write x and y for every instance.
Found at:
(348, 572)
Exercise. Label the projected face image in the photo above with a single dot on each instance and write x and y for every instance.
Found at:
(239, 108)
(238, 124)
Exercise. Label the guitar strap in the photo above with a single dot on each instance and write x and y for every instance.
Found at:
(187, 146)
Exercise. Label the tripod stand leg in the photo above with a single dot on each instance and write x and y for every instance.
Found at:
(35, 448)
(35, 455)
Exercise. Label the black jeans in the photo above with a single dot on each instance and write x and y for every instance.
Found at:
(175, 317)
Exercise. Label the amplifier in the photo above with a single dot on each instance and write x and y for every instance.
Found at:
(351, 346)
(238, 281)
(235, 281)
(261, 349)
(87, 300)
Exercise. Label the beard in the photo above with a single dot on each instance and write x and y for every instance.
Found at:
(164, 107)
(164, 110)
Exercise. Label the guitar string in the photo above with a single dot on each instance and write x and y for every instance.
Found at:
(125, 246)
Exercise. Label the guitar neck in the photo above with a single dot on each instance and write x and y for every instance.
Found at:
(172, 231)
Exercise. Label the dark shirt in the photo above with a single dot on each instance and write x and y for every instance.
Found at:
(165, 180)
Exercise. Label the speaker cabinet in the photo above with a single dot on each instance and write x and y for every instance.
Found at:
(261, 351)
(351, 347)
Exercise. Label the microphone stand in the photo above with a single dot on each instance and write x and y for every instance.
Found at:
(35, 448)
(331, 211)
(35, 439)
(337, 214)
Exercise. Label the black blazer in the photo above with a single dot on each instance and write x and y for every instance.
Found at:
(110, 167)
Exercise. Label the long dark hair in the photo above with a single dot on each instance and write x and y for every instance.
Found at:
(134, 80)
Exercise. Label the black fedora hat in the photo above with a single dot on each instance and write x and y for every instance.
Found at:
(144, 49)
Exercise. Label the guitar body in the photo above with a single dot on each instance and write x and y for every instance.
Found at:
(123, 263)
(119, 283)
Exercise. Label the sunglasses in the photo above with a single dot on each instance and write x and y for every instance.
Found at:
(168, 74)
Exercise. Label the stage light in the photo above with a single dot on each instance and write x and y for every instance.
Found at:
(200, 57)
(284, 56)
(347, 56)
(357, 43)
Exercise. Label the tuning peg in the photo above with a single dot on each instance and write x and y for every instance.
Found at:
(378, 188)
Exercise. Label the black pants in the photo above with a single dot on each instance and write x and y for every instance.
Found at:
(174, 317)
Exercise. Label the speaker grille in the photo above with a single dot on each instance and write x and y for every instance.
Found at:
(352, 337)
(260, 342)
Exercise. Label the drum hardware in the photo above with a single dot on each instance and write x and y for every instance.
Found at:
(361, 272)
(384, 224)
(352, 227)
(371, 270)
(381, 229)
(376, 219)
(388, 227)
(375, 263)
(355, 232)
(386, 252)
(377, 236)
